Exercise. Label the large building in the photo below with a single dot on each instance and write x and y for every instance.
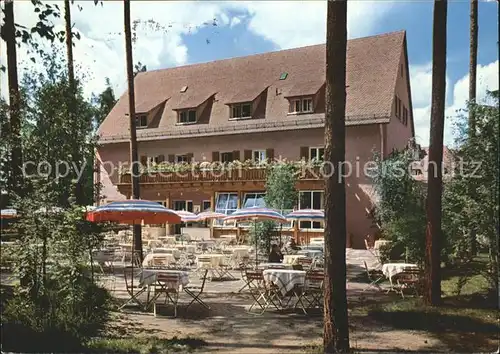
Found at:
(264, 106)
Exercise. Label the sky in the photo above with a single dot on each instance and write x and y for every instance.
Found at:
(191, 32)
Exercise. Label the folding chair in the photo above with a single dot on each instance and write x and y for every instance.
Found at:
(306, 263)
(190, 290)
(226, 266)
(312, 290)
(166, 284)
(374, 277)
(255, 283)
(131, 286)
(205, 263)
(409, 278)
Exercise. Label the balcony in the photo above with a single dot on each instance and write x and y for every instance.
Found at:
(186, 175)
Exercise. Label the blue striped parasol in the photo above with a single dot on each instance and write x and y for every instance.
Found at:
(306, 215)
(134, 212)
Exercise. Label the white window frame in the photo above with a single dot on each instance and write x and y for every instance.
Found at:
(322, 206)
(180, 158)
(261, 155)
(239, 106)
(226, 152)
(225, 210)
(297, 105)
(318, 150)
(187, 119)
(139, 123)
(255, 194)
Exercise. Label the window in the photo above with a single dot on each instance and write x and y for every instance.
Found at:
(316, 153)
(226, 203)
(184, 89)
(259, 155)
(226, 157)
(301, 105)
(181, 158)
(311, 200)
(206, 205)
(183, 205)
(283, 76)
(241, 110)
(254, 200)
(187, 116)
(151, 160)
(141, 120)
(400, 111)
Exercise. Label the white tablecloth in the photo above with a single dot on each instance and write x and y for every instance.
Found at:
(274, 265)
(380, 243)
(292, 258)
(216, 260)
(171, 250)
(240, 252)
(148, 277)
(158, 258)
(310, 253)
(285, 279)
(317, 240)
(391, 269)
(191, 249)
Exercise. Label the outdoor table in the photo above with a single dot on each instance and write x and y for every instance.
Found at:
(285, 279)
(292, 258)
(380, 243)
(187, 248)
(312, 253)
(172, 250)
(240, 252)
(216, 259)
(148, 277)
(317, 240)
(169, 240)
(391, 269)
(274, 265)
(167, 258)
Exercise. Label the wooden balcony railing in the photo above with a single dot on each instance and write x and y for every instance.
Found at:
(227, 175)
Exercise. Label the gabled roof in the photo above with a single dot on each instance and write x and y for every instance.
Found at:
(372, 68)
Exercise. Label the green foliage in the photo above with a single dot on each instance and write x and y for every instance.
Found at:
(104, 102)
(263, 232)
(471, 197)
(281, 193)
(401, 208)
(51, 138)
(57, 305)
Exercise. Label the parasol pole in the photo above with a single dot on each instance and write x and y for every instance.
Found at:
(256, 242)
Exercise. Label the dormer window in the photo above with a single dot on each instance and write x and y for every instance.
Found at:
(141, 120)
(301, 105)
(187, 116)
(241, 110)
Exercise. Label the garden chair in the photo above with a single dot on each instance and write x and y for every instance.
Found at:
(306, 263)
(196, 291)
(255, 282)
(166, 284)
(409, 279)
(374, 277)
(311, 293)
(133, 286)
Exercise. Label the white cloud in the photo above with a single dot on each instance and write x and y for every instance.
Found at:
(291, 24)
(100, 51)
(457, 97)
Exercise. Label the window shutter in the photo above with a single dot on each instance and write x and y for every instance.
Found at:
(171, 158)
(161, 158)
(190, 156)
(236, 155)
(144, 160)
(304, 152)
(247, 155)
(215, 156)
(270, 154)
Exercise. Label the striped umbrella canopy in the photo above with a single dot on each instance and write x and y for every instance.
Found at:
(186, 216)
(208, 215)
(256, 213)
(134, 212)
(306, 214)
(8, 213)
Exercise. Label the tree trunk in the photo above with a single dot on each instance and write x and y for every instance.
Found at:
(435, 181)
(472, 99)
(336, 329)
(134, 158)
(76, 155)
(9, 34)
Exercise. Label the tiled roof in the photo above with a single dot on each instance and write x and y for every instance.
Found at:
(372, 67)
(247, 93)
